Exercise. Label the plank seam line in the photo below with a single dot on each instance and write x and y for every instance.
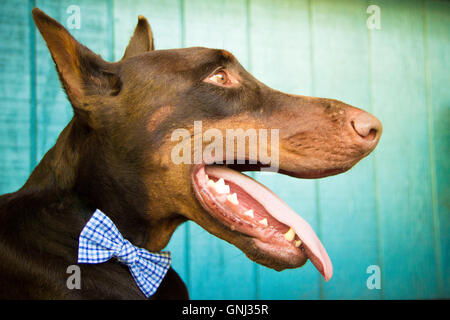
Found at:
(431, 152)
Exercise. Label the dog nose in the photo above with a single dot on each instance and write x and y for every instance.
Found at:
(367, 126)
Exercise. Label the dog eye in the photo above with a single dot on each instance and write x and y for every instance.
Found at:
(220, 78)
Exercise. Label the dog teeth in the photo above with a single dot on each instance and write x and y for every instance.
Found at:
(220, 182)
(290, 235)
(233, 198)
(264, 222)
(297, 243)
(249, 213)
(211, 184)
(221, 187)
(206, 177)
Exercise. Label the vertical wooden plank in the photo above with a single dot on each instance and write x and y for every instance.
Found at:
(53, 109)
(218, 270)
(403, 175)
(15, 69)
(165, 20)
(437, 46)
(281, 58)
(218, 24)
(346, 202)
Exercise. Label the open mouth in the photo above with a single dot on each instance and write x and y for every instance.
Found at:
(250, 209)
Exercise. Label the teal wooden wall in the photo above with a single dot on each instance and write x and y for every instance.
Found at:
(391, 210)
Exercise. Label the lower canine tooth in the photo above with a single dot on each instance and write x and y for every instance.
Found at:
(233, 198)
(290, 235)
(264, 222)
(298, 243)
(249, 213)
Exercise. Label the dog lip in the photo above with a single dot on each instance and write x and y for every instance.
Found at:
(295, 173)
(285, 256)
(278, 210)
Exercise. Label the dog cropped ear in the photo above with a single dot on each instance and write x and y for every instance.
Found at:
(141, 41)
(83, 73)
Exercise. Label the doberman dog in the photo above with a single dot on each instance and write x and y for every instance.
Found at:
(115, 155)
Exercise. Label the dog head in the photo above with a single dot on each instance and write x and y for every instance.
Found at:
(160, 136)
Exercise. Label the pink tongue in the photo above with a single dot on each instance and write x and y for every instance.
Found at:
(283, 213)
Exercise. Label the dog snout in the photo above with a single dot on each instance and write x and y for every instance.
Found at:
(367, 128)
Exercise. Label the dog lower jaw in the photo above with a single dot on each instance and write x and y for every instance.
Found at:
(275, 257)
(281, 240)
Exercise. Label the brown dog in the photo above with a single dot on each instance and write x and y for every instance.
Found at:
(116, 154)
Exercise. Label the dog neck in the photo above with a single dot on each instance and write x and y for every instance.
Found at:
(78, 176)
(72, 181)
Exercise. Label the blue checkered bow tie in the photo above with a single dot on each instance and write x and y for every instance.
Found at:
(100, 240)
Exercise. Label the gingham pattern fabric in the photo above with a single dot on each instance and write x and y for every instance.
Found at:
(100, 240)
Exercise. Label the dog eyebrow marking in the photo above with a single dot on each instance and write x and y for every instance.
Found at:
(225, 56)
(159, 116)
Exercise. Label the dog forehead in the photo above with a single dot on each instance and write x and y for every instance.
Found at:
(182, 59)
(202, 54)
